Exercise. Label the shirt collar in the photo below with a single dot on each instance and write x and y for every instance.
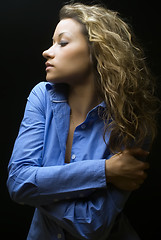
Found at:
(102, 104)
(59, 93)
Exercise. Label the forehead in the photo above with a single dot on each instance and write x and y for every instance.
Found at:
(68, 25)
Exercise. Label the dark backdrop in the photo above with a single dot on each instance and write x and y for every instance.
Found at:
(26, 30)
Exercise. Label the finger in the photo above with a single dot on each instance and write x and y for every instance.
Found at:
(141, 165)
(145, 175)
(135, 186)
(140, 181)
(141, 175)
(138, 152)
(146, 165)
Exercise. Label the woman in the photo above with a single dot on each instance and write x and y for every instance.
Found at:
(78, 151)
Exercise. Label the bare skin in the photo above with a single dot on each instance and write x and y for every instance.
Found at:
(69, 61)
(81, 100)
(124, 170)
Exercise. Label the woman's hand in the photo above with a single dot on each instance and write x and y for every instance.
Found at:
(124, 170)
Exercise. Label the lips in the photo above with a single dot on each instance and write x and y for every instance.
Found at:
(48, 65)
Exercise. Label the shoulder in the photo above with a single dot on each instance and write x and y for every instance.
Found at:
(40, 91)
(38, 97)
(54, 92)
(41, 88)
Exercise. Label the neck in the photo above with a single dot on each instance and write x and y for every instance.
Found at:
(82, 98)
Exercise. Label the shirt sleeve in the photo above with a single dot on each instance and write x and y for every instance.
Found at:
(31, 183)
(89, 218)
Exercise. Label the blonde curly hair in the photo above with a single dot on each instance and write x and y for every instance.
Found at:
(123, 79)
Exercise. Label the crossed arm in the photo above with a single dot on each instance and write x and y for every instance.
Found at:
(102, 182)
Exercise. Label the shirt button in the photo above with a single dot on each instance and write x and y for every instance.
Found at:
(73, 156)
(59, 236)
(83, 126)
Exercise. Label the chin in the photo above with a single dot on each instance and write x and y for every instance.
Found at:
(70, 80)
(54, 80)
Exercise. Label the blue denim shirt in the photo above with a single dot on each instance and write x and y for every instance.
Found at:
(67, 197)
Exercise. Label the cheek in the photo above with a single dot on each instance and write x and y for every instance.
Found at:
(76, 61)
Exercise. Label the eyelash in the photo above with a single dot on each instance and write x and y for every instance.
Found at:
(63, 44)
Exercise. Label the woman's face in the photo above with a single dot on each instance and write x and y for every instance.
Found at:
(68, 59)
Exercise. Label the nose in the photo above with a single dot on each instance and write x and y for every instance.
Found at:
(49, 53)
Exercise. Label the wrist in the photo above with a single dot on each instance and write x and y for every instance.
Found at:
(108, 171)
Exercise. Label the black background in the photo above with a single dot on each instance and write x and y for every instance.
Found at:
(26, 29)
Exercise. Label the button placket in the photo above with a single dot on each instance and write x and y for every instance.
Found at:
(73, 156)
